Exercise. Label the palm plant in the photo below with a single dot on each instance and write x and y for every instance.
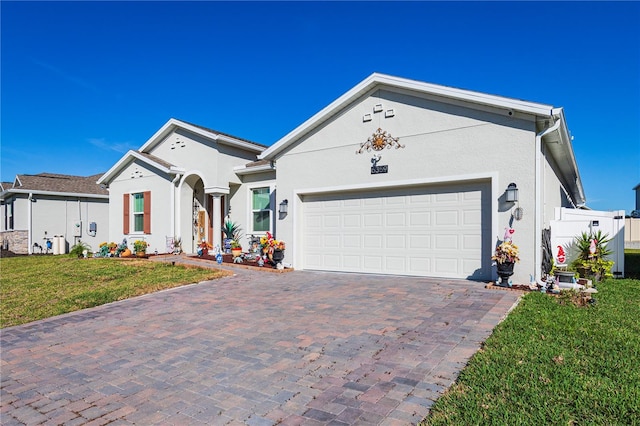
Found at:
(232, 230)
(592, 252)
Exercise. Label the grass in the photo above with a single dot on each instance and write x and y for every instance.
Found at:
(551, 362)
(36, 287)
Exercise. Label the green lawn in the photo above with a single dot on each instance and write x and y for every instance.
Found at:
(554, 363)
(36, 287)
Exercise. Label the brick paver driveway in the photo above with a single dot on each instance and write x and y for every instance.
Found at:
(255, 348)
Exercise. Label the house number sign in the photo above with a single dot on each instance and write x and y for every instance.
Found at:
(375, 169)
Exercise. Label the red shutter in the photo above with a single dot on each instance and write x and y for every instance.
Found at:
(147, 212)
(126, 211)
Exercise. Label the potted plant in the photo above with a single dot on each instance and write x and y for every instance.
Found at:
(236, 248)
(232, 231)
(506, 256)
(592, 250)
(272, 248)
(140, 248)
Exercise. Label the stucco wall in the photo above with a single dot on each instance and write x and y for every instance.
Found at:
(212, 161)
(56, 216)
(442, 143)
(144, 179)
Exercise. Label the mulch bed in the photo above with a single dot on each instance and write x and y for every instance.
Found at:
(227, 259)
(514, 287)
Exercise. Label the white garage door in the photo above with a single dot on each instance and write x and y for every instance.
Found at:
(425, 231)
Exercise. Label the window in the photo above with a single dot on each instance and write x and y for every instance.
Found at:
(137, 212)
(261, 209)
(8, 215)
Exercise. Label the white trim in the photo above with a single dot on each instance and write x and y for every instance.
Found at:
(397, 183)
(173, 124)
(492, 177)
(216, 190)
(372, 82)
(271, 184)
(126, 159)
(244, 170)
(190, 173)
(53, 193)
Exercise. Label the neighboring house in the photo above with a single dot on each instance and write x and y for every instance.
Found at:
(632, 224)
(37, 208)
(636, 213)
(394, 177)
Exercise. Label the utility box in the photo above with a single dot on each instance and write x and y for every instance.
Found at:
(77, 228)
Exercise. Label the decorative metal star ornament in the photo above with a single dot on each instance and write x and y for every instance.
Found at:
(378, 141)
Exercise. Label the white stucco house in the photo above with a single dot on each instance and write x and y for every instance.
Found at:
(396, 177)
(36, 209)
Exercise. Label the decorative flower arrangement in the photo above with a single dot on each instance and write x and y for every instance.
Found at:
(140, 246)
(268, 243)
(506, 252)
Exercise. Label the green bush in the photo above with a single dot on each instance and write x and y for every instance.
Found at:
(79, 248)
(632, 263)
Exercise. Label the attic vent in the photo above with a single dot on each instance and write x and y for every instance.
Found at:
(136, 174)
(177, 144)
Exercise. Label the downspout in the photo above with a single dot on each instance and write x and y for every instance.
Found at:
(30, 224)
(173, 205)
(538, 207)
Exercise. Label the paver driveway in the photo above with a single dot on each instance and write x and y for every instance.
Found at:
(255, 348)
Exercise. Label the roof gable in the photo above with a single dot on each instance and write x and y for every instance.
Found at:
(377, 81)
(131, 156)
(171, 125)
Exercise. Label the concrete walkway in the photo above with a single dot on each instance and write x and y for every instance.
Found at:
(256, 348)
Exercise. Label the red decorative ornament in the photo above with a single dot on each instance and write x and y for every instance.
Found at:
(561, 255)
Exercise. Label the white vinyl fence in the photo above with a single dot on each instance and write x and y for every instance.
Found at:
(570, 223)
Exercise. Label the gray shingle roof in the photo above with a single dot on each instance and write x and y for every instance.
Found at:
(155, 159)
(222, 133)
(51, 182)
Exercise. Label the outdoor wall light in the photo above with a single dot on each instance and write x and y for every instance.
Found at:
(511, 193)
(284, 207)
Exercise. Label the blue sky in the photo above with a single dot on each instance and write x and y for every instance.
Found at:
(83, 82)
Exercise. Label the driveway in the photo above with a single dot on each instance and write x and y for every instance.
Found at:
(256, 348)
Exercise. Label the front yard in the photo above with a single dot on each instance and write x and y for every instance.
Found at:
(551, 362)
(36, 287)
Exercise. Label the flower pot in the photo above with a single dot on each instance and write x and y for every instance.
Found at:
(236, 252)
(141, 253)
(505, 270)
(278, 255)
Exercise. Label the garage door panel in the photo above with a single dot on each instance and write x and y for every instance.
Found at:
(396, 242)
(418, 242)
(425, 231)
(396, 219)
(372, 220)
(419, 218)
(395, 264)
(373, 242)
(446, 242)
(352, 220)
(446, 218)
(471, 217)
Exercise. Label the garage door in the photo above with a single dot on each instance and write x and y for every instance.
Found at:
(423, 231)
